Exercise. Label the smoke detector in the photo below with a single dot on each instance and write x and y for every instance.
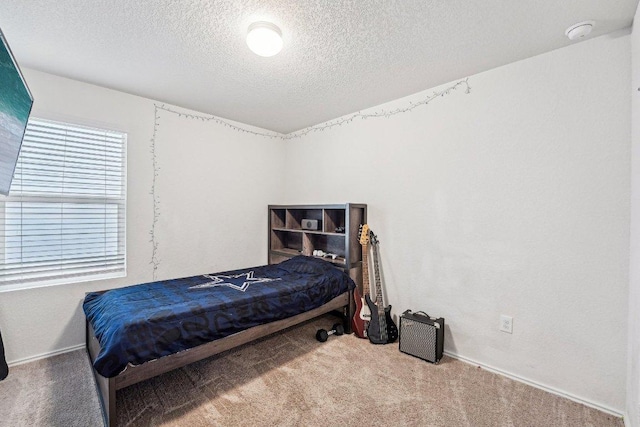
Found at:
(579, 30)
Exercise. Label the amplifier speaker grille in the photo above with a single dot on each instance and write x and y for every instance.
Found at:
(422, 336)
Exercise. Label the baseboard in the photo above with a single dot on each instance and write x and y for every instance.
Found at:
(45, 355)
(540, 386)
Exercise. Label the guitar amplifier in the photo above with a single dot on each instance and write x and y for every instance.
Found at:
(422, 336)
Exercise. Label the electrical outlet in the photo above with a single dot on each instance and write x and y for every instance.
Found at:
(506, 324)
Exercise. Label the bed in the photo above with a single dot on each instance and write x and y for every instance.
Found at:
(138, 332)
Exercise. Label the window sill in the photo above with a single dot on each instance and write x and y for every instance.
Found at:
(64, 281)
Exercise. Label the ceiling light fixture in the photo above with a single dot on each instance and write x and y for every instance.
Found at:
(579, 30)
(264, 38)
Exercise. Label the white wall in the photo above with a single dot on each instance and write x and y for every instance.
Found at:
(633, 374)
(214, 186)
(512, 200)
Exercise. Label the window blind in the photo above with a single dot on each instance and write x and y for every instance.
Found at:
(64, 218)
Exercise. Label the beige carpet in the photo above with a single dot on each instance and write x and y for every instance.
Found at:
(56, 392)
(292, 380)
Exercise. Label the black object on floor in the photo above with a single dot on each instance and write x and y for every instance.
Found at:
(322, 335)
(422, 335)
(4, 369)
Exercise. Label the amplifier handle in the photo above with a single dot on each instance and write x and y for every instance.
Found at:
(418, 312)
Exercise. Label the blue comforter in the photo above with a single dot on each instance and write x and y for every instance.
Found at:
(140, 323)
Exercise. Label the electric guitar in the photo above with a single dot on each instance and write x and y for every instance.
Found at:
(381, 329)
(363, 314)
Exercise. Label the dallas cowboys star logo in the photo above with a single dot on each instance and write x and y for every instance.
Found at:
(239, 282)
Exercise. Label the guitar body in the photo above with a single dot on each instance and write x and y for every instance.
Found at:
(392, 329)
(365, 313)
(357, 322)
(382, 329)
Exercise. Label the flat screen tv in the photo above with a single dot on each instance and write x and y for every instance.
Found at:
(15, 106)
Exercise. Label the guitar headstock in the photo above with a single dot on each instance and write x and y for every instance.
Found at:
(363, 234)
(374, 238)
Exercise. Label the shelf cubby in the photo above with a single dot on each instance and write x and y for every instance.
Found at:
(278, 218)
(334, 219)
(284, 239)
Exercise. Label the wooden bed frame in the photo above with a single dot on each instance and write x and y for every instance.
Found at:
(134, 374)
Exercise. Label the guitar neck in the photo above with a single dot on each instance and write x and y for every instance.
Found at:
(376, 272)
(382, 321)
(366, 289)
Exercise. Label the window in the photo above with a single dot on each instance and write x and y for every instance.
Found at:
(64, 218)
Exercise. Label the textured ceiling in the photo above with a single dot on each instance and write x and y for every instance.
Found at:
(338, 57)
